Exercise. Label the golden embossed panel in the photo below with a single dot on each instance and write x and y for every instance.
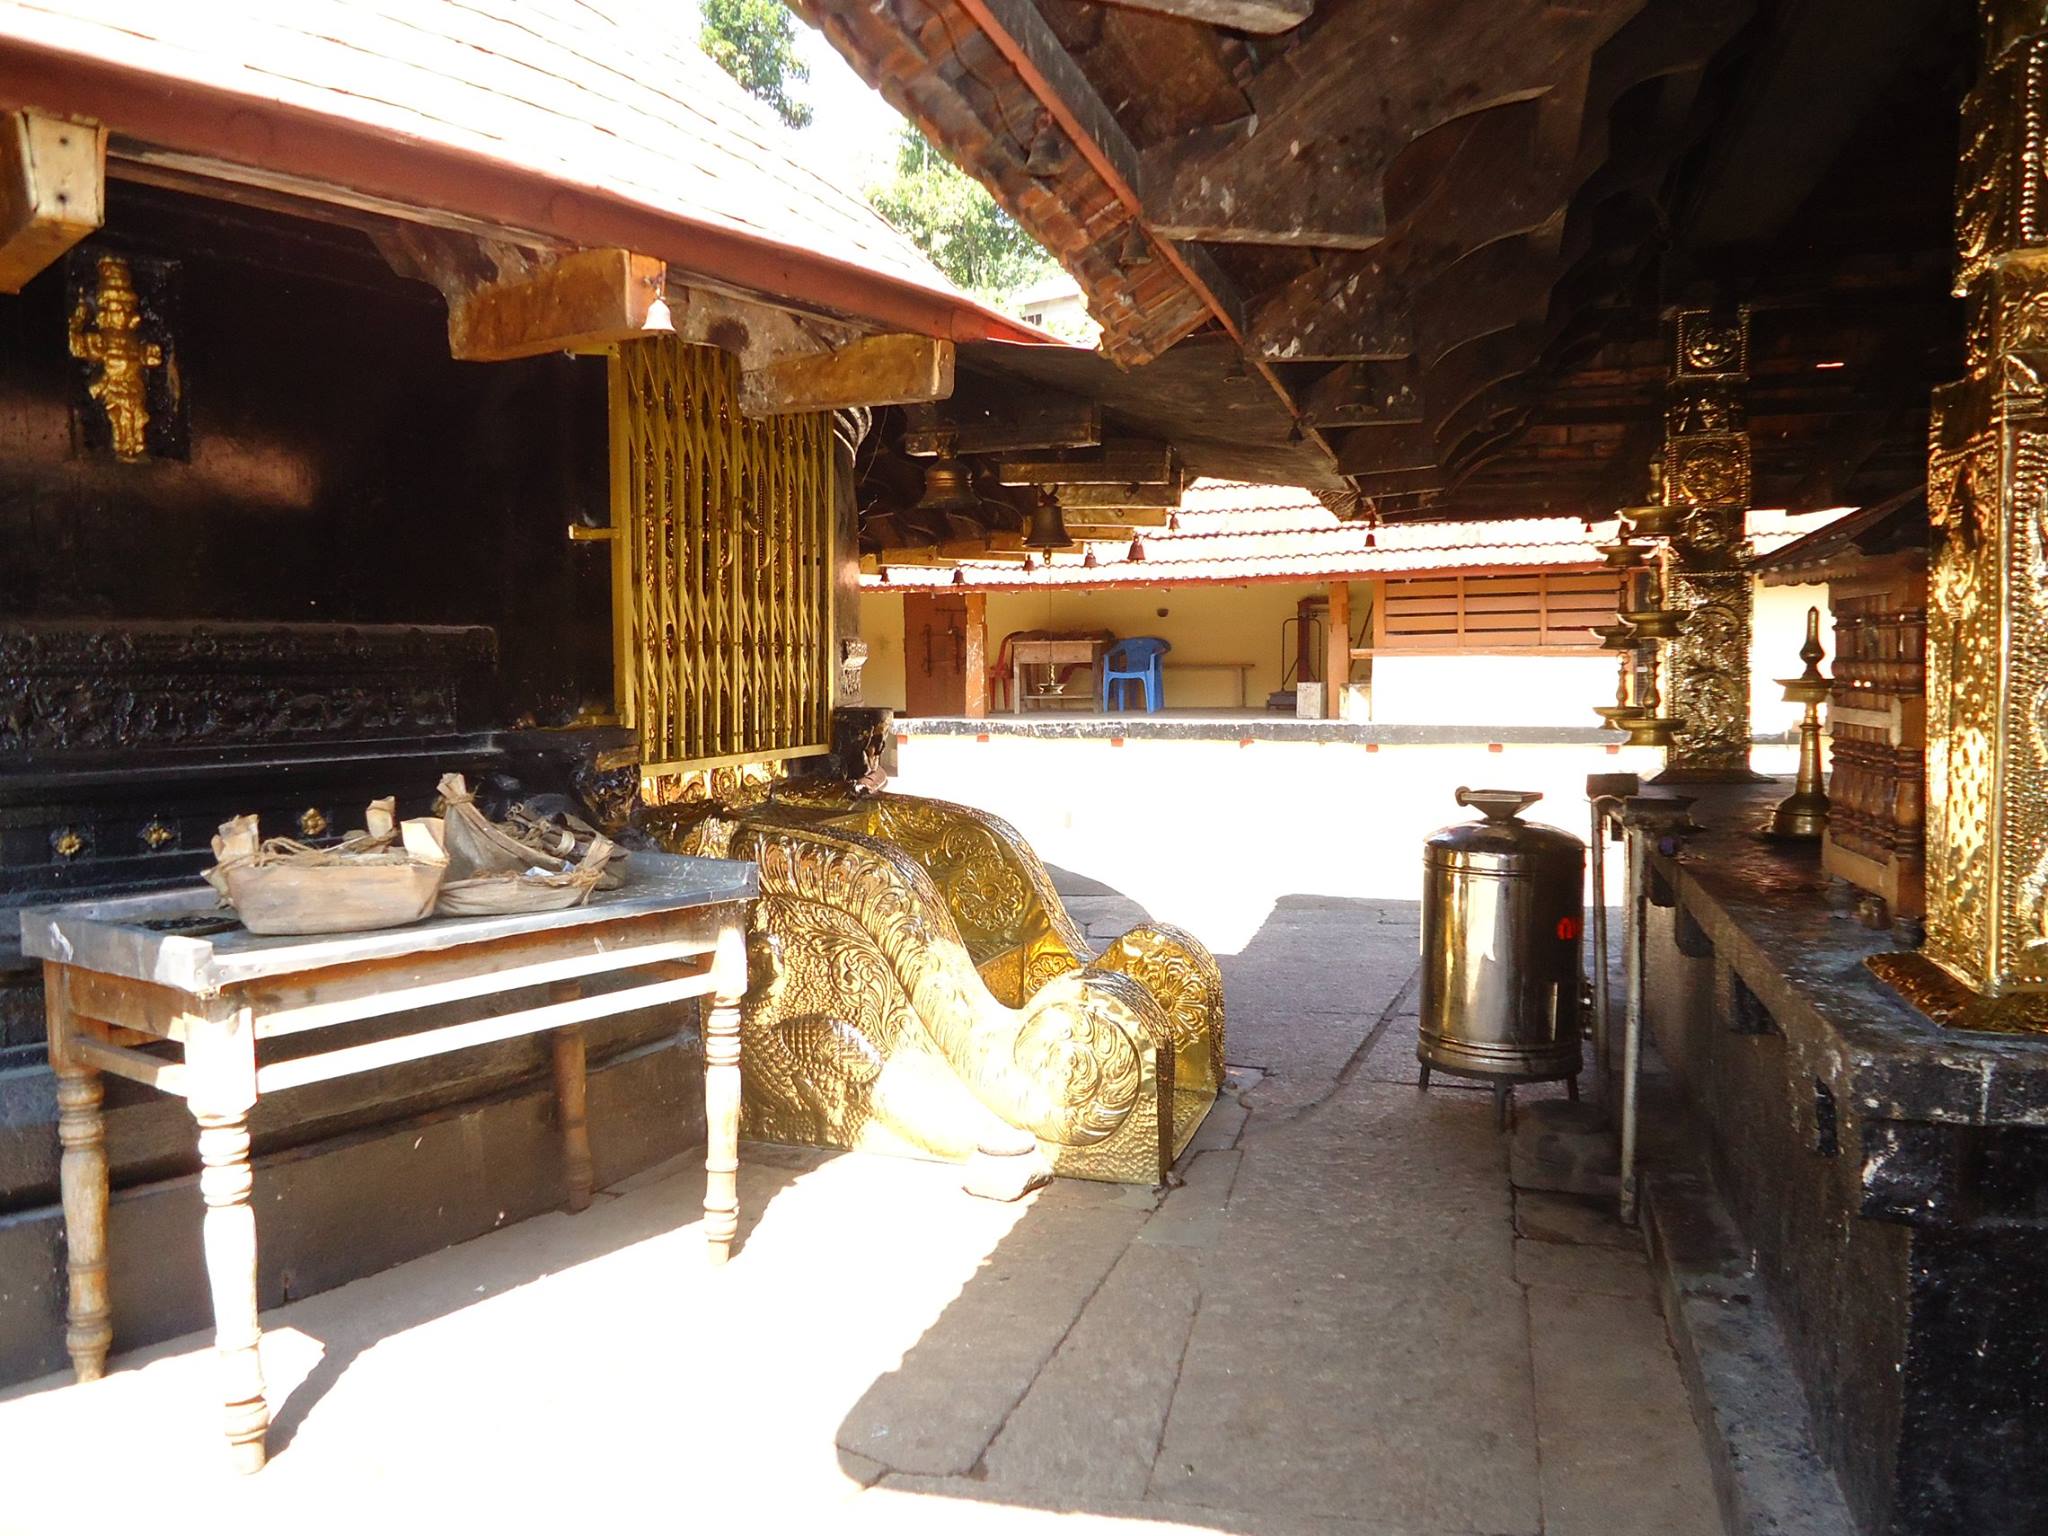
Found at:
(722, 535)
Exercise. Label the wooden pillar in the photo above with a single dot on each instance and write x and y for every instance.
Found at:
(977, 655)
(1987, 484)
(1337, 667)
(1706, 473)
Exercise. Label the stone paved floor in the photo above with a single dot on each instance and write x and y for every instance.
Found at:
(1346, 1320)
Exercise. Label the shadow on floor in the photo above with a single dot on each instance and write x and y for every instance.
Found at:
(1050, 1383)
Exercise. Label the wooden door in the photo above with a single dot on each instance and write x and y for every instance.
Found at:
(934, 654)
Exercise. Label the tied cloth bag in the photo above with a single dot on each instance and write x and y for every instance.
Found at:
(527, 866)
(383, 876)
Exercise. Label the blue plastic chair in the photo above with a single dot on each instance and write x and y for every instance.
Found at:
(1134, 661)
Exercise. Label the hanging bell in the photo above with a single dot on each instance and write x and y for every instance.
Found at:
(947, 487)
(1136, 553)
(959, 577)
(1088, 558)
(1048, 528)
(1048, 153)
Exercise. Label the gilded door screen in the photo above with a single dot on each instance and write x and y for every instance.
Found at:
(721, 541)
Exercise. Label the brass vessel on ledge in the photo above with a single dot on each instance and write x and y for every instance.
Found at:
(1802, 816)
(1655, 623)
(1614, 637)
(1655, 522)
(1625, 555)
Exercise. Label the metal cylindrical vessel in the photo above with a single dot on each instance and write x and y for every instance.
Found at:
(1502, 907)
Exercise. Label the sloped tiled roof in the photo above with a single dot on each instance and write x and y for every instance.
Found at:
(1232, 532)
(609, 100)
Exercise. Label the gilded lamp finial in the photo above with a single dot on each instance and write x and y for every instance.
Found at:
(107, 335)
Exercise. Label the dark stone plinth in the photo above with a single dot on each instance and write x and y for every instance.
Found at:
(1890, 1177)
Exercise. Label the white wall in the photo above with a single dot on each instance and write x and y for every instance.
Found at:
(1777, 630)
(1490, 690)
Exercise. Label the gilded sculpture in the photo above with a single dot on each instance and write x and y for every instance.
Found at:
(1705, 477)
(1987, 496)
(107, 336)
(919, 989)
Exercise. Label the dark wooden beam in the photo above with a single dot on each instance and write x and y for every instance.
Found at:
(1130, 462)
(1106, 498)
(1308, 164)
(1365, 394)
(1337, 312)
(1055, 421)
(870, 370)
(1261, 16)
(1382, 450)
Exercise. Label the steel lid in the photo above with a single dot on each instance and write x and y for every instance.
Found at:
(1501, 843)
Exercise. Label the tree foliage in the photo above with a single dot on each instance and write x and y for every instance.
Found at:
(754, 41)
(955, 222)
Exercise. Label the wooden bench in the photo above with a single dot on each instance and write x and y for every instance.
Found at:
(1243, 669)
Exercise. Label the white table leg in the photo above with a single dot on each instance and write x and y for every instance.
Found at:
(722, 1091)
(220, 1059)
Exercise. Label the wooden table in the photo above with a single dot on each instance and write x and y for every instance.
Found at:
(152, 988)
(1051, 654)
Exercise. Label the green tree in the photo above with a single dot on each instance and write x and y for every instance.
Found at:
(754, 41)
(955, 222)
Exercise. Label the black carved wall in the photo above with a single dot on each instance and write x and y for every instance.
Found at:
(345, 573)
(342, 468)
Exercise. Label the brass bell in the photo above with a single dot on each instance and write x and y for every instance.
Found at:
(1048, 528)
(947, 487)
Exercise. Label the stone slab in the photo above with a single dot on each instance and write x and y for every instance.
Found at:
(1565, 1148)
(1585, 1270)
(937, 1412)
(1091, 1421)
(1544, 1216)
(1620, 1453)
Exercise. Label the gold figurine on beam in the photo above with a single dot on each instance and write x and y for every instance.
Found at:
(108, 337)
(1802, 816)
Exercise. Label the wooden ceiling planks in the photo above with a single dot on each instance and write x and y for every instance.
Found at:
(1452, 227)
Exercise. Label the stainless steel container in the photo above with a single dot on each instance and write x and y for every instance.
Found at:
(1502, 907)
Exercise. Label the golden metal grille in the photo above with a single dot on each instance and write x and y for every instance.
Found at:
(720, 564)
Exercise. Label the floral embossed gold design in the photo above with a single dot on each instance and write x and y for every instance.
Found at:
(156, 835)
(887, 1026)
(1710, 346)
(1708, 471)
(312, 822)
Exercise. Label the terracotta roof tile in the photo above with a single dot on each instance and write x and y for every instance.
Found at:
(1231, 532)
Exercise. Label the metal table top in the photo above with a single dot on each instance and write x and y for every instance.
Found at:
(138, 937)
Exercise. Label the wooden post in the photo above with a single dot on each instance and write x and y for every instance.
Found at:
(977, 655)
(82, 1179)
(1337, 665)
(220, 1058)
(722, 1089)
(572, 1101)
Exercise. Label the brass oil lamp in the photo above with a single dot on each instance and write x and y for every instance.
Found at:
(1802, 816)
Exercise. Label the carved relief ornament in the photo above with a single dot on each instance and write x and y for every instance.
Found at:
(2001, 198)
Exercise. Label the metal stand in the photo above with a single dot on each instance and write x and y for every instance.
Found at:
(1632, 1039)
(1604, 793)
